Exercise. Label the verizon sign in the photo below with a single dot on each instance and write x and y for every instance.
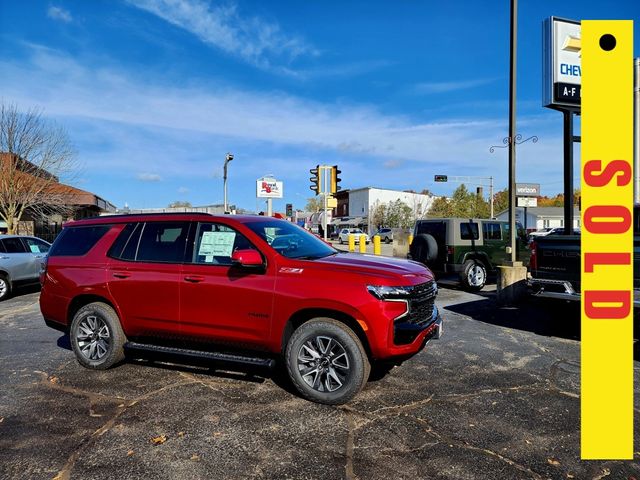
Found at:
(527, 189)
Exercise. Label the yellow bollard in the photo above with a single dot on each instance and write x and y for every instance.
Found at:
(410, 239)
(352, 242)
(363, 243)
(376, 245)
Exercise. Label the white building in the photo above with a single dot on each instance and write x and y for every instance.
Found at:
(361, 203)
(541, 217)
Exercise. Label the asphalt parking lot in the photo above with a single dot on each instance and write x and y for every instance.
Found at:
(495, 398)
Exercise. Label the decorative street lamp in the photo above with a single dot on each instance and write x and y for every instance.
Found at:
(227, 159)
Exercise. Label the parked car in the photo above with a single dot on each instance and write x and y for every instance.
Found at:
(385, 234)
(466, 247)
(551, 231)
(21, 259)
(235, 289)
(541, 233)
(343, 236)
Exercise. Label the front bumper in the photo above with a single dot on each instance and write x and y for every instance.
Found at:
(408, 333)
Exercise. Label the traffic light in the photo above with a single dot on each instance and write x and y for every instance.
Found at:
(440, 178)
(335, 180)
(315, 180)
(289, 211)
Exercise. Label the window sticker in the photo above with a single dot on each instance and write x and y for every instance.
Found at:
(34, 248)
(219, 244)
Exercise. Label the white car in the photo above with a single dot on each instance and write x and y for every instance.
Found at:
(343, 236)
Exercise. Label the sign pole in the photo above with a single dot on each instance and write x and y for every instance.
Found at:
(568, 172)
(269, 207)
(324, 217)
(512, 131)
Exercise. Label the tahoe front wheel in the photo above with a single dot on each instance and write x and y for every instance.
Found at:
(97, 338)
(326, 361)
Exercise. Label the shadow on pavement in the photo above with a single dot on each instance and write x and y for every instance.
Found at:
(539, 316)
(21, 290)
(548, 317)
(204, 367)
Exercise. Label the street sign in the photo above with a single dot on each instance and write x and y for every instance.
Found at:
(332, 202)
(440, 178)
(527, 189)
(526, 202)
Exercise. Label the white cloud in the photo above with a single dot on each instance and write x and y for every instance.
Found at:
(255, 40)
(58, 13)
(392, 164)
(442, 87)
(183, 190)
(149, 177)
(151, 126)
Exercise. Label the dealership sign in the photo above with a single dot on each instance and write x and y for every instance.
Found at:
(268, 188)
(562, 68)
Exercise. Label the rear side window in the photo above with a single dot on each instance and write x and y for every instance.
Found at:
(163, 242)
(491, 231)
(77, 241)
(13, 245)
(469, 231)
(126, 245)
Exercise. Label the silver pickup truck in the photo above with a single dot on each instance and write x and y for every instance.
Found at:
(21, 259)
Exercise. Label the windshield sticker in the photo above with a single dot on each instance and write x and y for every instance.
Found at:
(219, 244)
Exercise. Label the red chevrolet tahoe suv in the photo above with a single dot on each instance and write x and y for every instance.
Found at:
(235, 289)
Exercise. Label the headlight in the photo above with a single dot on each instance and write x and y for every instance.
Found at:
(388, 293)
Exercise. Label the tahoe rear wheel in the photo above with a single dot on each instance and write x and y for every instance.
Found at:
(474, 275)
(97, 338)
(326, 361)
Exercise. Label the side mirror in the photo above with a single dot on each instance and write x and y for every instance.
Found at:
(247, 258)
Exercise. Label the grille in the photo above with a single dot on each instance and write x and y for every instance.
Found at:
(421, 303)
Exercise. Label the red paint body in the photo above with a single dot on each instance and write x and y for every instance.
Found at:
(225, 304)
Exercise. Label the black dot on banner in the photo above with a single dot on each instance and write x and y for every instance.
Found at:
(607, 42)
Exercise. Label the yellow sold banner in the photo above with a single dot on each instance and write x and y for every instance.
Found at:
(607, 240)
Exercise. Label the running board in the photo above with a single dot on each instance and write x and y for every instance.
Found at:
(226, 358)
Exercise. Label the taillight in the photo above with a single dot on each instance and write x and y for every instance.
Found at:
(449, 249)
(533, 260)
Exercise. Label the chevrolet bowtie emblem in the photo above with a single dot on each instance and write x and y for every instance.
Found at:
(571, 44)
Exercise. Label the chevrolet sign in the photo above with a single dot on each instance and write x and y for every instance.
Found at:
(562, 69)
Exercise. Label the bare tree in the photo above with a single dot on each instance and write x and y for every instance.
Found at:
(34, 153)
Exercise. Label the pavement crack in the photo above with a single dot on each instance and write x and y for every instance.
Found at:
(348, 468)
(65, 472)
(467, 446)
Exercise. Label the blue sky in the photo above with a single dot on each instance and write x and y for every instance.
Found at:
(153, 93)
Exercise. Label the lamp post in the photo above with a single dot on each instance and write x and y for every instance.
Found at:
(228, 157)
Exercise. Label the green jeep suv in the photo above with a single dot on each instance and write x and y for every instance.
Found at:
(466, 247)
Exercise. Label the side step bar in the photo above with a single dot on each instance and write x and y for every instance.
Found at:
(225, 358)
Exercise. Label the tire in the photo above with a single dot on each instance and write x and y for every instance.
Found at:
(474, 275)
(5, 287)
(97, 338)
(340, 240)
(424, 248)
(387, 240)
(339, 351)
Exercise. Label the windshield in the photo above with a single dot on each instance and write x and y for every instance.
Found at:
(291, 240)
